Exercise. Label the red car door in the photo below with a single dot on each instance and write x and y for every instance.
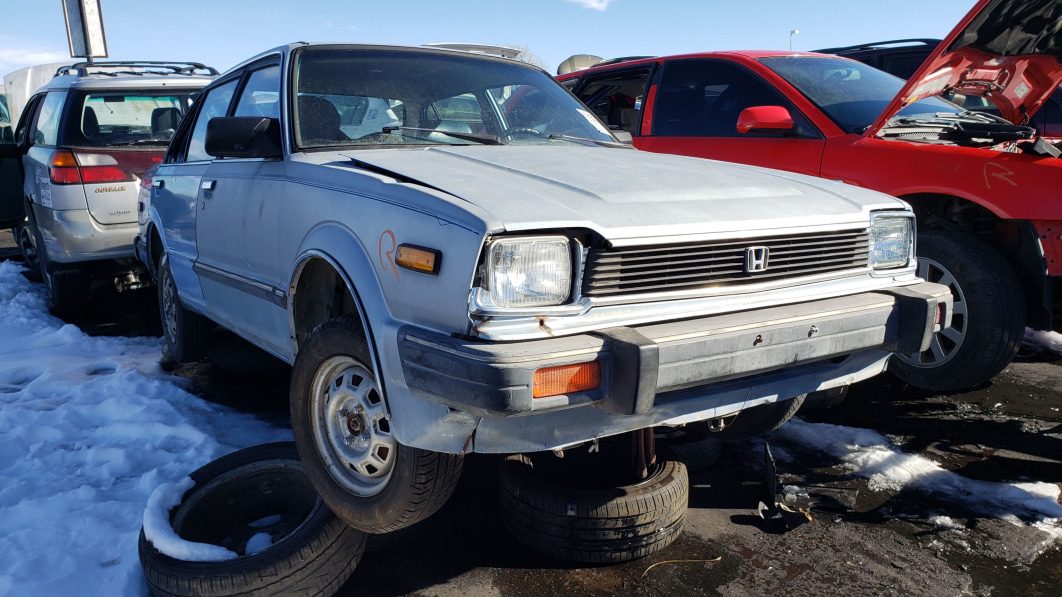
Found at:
(696, 106)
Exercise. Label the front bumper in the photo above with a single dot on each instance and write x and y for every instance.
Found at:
(72, 235)
(680, 360)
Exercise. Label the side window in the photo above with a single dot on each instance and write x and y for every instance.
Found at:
(703, 98)
(215, 104)
(261, 95)
(616, 98)
(25, 122)
(46, 130)
(903, 65)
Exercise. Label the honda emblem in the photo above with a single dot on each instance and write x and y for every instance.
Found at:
(756, 259)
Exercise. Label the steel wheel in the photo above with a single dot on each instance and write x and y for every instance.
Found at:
(351, 426)
(946, 342)
(27, 246)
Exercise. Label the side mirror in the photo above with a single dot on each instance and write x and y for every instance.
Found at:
(624, 137)
(764, 118)
(243, 137)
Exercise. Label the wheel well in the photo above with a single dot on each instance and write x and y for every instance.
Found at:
(1016, 240)
(155, 250)
(320, 294)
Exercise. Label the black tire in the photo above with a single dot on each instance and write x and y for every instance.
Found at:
(760, 420)
(315, 556)
(27, 248)
(66, 286)
(595, 526)
(420, 481)
(186, 333)
(991, 329)
(826, 399)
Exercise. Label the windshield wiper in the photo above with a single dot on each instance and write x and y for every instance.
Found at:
(483, 139)
(587, 141)
(161, 142)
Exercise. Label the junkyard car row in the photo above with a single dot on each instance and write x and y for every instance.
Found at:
(456, 255)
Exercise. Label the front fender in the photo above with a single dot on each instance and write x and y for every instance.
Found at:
(416, 422)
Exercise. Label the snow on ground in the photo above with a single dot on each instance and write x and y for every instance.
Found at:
(1044, 340)
(871, 455)
(89, 427)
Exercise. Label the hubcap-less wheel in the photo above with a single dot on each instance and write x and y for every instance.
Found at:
(351, 427)
(945, 343)
(169, 309)
(27, 246)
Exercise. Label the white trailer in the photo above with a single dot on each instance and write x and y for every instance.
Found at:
(20, 85)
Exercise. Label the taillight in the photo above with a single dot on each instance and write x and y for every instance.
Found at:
(63, 168)
(87, 168)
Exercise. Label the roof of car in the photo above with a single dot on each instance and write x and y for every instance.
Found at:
(751, 54)
(288, 48)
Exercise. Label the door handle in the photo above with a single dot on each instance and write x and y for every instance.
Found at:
(207, 185)
(158, 183)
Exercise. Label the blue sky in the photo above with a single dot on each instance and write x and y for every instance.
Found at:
(224, 32)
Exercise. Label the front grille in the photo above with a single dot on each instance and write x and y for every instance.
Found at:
(715, 264)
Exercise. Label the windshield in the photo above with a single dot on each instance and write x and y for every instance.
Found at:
(360, 97)
(117, 118)
(849, 92)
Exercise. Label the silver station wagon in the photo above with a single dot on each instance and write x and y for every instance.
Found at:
(457, 256)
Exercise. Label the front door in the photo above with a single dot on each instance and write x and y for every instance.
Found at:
(697, 105)
(13, 144)
(237, 226)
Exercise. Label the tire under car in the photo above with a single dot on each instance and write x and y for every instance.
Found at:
(312, 551)
(594, 524)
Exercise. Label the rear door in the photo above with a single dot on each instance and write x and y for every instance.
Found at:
(176, 191)
(696, 108)
(13, 144)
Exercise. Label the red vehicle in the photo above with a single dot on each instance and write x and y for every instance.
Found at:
(987, 191)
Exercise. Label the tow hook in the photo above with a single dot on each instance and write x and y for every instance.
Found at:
(720, 423)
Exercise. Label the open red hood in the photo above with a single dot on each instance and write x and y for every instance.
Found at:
(1008, 51)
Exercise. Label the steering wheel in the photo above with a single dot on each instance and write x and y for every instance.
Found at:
(525, 131)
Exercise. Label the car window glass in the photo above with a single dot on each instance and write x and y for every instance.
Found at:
(395, 98)
(704, 98)
(46, 131)
(25, 121)
(261, 95)
(215, 104)
(903, 65)
(851, 93)
(124, 118)
(617, 99)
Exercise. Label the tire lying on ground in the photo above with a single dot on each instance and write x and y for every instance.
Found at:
(597, 525)
(235, 500)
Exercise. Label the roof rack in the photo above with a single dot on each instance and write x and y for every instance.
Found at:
(878, 44)
(140, 67)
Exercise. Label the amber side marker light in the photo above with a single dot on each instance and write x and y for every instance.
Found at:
(566, 379)
(418, 259)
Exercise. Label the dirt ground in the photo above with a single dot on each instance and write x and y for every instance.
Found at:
(860, 542)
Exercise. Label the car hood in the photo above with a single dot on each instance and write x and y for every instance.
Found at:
(621, 193)
(1008, 51)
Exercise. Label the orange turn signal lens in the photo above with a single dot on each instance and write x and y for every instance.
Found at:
(566, 379)
(418, 259)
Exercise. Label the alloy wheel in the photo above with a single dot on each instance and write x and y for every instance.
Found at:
(945, 343)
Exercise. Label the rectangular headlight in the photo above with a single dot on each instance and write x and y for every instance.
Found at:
(891, 241)
(529, 271)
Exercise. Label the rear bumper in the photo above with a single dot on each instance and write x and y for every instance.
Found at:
(642, 366)
(71, 235)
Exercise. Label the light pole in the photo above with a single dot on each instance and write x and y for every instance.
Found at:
(792, 33)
